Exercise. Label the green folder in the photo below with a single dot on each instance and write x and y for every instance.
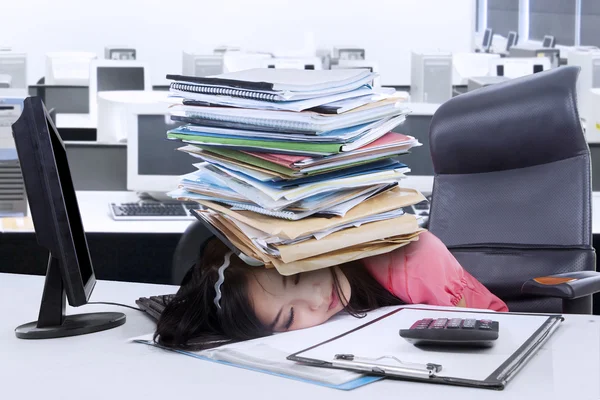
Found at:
(297, 147)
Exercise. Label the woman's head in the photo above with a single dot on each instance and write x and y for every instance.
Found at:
(300, 301)
(256, 302)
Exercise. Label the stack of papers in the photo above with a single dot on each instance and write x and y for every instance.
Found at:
(297, 169)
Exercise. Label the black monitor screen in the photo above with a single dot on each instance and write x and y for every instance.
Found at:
(548, 41)
(72, 208)
(510, 41)
(487, 37)
(419, 159)
(156, 154)
(120, 78)
(72, 99)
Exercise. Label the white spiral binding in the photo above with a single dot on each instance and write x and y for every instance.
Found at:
(221, 91)
(221, 279)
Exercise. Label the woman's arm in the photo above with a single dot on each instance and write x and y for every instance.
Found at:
(425, 272)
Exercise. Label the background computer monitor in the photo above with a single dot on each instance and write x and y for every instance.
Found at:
(486, 43)
(68, 68)
(115, 75)
(194, 64)
(153, 163)
(512, 39)
(120, 53)
(63, 99)
(14, 65)
(549, 41)
(58, 228)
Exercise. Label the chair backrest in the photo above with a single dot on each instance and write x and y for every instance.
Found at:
(512, 187)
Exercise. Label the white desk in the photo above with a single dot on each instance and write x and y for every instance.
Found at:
(93, 206)
(105, 366)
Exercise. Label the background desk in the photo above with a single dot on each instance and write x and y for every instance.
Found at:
(105, 365)
(135, 251)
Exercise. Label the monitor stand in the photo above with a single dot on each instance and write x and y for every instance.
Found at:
(52, 321)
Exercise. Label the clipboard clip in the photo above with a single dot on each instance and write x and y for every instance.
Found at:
(375, 365)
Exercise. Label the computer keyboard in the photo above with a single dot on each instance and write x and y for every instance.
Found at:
(152, 211)
(154, 305)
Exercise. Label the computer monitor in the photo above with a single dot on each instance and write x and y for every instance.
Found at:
(431, 76)
(68, 68)
(549, 41)
(488, 36)
(113, 75)
(58, 228)
(14, 65)
(153, 163)
(120, 53)
(64, 99)
(200, 65)
(512, 39)
(349, 53)
(114, 107)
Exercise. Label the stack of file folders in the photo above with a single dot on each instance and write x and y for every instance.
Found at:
(297, 169)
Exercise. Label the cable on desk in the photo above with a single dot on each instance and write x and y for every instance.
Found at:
(115, 304)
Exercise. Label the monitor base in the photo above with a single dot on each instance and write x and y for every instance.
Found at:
(73, 325)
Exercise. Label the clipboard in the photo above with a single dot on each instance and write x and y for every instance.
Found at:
(404, 361)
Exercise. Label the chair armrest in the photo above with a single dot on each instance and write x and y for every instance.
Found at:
(570, 285)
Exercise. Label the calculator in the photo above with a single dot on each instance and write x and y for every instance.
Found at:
(452, 332)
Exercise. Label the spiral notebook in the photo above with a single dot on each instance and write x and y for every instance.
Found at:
(287, 120)
(270, 84)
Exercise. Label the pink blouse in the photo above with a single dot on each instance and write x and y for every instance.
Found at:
(425, 272)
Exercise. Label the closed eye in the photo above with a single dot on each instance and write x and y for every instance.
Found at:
(290, 320)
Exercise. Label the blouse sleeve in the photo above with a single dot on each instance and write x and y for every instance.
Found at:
(425, 272)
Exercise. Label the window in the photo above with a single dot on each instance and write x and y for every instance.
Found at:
(590, 23)
(503, 16)
(553, 17)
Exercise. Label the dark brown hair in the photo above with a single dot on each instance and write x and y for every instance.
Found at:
(192, 321)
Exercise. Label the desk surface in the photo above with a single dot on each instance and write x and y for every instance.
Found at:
(93, 206)
(105, 365)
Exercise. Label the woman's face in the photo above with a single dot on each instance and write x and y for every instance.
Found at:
(298, 301)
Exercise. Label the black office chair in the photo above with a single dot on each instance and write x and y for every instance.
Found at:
(512, 191)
